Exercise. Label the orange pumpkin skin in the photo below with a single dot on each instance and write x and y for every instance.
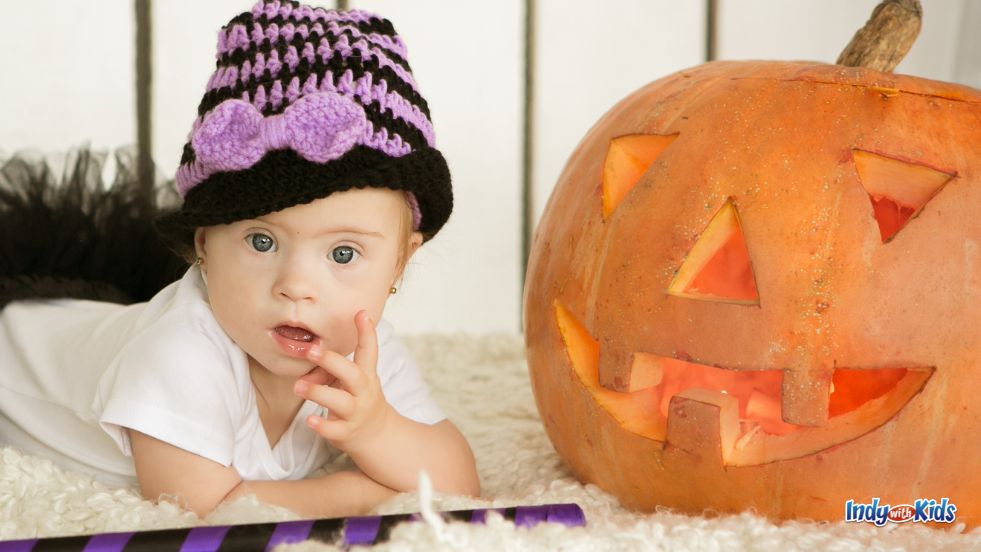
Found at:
(780, 142)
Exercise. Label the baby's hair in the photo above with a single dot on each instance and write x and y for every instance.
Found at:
(405, 236)
(186, 251)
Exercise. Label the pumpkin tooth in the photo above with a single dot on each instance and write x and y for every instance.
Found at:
(704, 422)
(615, 366)
(805, 395)
(627, 373)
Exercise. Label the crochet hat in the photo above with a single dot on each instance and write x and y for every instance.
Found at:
(306, 102)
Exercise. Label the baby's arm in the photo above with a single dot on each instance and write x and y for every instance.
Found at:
(396, 455)
(200, 485)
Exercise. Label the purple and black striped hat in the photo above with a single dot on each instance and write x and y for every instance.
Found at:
(305, 102)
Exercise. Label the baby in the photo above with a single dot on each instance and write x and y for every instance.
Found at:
(308, 181)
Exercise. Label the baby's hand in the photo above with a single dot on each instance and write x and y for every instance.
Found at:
(356, 408)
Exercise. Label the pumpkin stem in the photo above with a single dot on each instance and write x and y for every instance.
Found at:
(886, 37)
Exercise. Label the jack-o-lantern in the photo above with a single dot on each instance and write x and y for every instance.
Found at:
(757, 285)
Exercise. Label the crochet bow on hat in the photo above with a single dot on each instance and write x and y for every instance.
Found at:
(319, 127)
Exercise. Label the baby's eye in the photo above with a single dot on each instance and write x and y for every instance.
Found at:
(343, 254)
(260, 242)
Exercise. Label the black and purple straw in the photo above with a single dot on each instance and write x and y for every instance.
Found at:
(351, 531)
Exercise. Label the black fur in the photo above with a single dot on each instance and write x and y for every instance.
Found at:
(74, 236)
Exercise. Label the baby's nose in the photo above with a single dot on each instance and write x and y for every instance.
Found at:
(296, 285)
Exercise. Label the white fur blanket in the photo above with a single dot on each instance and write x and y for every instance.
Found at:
(482, 383)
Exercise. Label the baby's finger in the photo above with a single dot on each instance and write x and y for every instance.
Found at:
(319, 376)
(338, 402)
(346, 372)
(333, 430)
(316, 351)
(366, 353)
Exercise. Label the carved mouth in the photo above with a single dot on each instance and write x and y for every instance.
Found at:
(758, 392)
(669, 398)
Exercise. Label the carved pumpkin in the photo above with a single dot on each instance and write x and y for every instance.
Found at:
(758, 285)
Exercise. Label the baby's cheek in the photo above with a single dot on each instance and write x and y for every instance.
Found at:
(341, 336)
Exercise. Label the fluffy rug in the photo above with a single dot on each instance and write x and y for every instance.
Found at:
(482, 383)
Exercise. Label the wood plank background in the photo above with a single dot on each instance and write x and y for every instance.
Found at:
(69, 76)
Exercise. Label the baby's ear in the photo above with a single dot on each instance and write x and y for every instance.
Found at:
(199, 240)
(415, 240)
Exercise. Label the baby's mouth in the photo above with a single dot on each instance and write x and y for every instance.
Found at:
(294, 333)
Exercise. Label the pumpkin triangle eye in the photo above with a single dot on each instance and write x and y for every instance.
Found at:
(897, 189)
(718, 267)
(627, 159)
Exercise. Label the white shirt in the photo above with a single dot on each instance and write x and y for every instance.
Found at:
(75, 374)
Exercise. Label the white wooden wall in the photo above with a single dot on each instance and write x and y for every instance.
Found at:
(67, 77)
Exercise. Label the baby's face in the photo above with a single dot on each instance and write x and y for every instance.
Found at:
(280, 282)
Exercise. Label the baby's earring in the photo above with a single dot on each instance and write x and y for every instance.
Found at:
(199, 262)
(393, 290)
